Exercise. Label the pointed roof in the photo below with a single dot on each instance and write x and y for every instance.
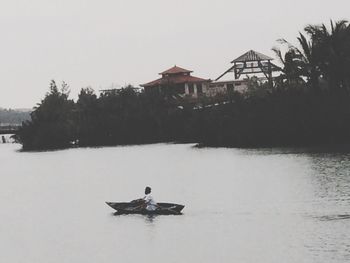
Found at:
(175, 70)
(251, 55)
(175, 80)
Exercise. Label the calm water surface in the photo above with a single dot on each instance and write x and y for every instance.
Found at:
(241, 205)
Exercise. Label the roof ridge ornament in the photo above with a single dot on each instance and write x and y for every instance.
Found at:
(175, 70)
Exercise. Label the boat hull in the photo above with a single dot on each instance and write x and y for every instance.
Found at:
(134, 208)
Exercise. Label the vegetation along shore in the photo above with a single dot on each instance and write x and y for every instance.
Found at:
(307, 105)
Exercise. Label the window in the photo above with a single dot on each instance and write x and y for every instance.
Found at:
(190, 88)
(199, 88)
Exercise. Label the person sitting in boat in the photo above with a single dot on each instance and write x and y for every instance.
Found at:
(149, 202)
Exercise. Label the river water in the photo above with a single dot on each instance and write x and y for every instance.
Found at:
(241, 205)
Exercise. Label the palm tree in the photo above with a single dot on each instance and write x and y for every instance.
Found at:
(332, 51)
(290, 70)
(309, 61)
(299, 63)
(326, 54)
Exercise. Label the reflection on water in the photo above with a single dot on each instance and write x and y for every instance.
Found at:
(150, 218)
(146, 218)
(269, 205)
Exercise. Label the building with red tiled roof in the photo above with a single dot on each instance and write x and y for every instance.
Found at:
(175, 70)
(180, 81)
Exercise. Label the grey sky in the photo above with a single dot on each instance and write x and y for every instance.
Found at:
(100, 42)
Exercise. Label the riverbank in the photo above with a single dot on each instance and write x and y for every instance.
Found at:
(292, 118)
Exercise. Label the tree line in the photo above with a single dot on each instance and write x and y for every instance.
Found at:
(13, 116)
(309, 104)
(116, 117)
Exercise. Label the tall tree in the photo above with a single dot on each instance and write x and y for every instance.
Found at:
(300, 63)
(333, 52)
(52, 121)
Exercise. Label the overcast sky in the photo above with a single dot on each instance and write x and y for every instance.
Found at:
(98, 43)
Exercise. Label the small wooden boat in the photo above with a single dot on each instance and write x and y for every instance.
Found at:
(135, 208)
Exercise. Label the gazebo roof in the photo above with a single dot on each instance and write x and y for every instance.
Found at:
(175, 75)
(175, 80)
(175, 70)
(251, 56)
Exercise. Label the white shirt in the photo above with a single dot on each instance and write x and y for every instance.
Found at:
(151, 205)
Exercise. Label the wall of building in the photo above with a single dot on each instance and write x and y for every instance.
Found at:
(196, 90)
(222, 87)
(212, 89)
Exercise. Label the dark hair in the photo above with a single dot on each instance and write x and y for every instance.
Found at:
(147, 190)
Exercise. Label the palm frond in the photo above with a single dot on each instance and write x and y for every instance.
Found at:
(278, 54)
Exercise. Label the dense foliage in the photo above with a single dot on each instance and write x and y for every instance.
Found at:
(308, 105)
(124, 116)
(294, 117)
(52, 123)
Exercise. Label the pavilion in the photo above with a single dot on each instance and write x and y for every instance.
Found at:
(250, 63)
(179, 81)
